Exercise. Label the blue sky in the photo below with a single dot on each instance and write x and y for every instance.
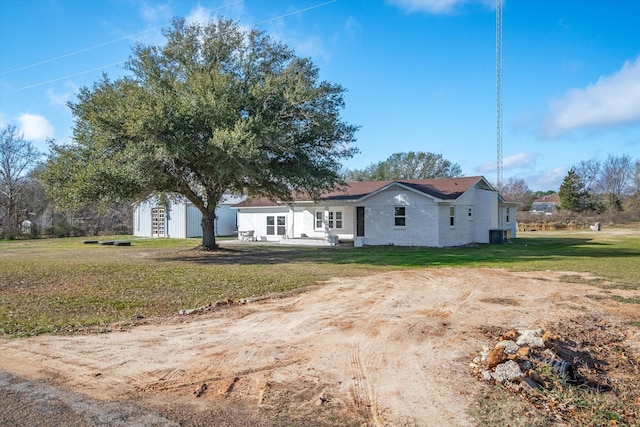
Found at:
(420, 74)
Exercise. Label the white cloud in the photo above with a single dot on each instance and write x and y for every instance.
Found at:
(199, 15)
(514, 161)
(61, 99)
(159, 13)
(35, 127)
(435, 7)
(519, 160)
(310, 47)
(612, 100)
(547, 180)
(303, 45)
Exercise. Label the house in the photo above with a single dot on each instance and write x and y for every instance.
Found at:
(426, 212)
(178, 218)
(545, 204)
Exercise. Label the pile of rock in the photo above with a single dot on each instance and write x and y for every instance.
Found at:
(518, 357)
(205, 308)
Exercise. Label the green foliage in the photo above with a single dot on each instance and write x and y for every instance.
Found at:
(61, 228)
(574, 196)
(411, 165)
(216, 109)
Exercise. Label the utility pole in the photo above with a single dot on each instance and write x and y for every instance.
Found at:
(499, 92)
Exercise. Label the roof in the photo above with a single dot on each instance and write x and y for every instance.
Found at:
(439, 188)
(545, 203)
(551, 198)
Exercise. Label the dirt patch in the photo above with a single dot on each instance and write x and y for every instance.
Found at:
(385, 350)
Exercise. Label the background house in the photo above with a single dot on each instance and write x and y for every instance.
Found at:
(545, 204)
(428, 212)
(178, 218)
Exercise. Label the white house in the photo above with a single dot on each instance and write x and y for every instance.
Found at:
(177, 218)
(426, 212)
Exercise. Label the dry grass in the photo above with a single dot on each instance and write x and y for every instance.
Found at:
(63, 285)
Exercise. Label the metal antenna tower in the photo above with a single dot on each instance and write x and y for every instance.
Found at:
(499, 91)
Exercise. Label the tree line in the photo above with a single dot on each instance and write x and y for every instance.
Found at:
(598, 186)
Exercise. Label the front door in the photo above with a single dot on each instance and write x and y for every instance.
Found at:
(360, 221)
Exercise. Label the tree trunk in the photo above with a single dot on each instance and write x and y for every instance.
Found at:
(208, 234)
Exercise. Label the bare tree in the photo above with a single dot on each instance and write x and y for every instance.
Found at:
(588, 171)
(516, 189)
(615, 179)
(17, 157)
(636, 178)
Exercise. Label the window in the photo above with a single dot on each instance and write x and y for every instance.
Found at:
(271, 226)
(334, 220)
(470, 213)
(452, 216)
(319, 218)
(400, 216)
(507, 216)
(281, 228)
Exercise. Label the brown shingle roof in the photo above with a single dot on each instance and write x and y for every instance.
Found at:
(441, 188)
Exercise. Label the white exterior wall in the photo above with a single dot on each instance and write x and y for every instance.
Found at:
(176, 219)
(225, 223)
(255, 219)
(464, 225)
(345, 232)
(300, 220)
(303, 222)
(452, 236)
(193, 221)
(487, 214)
(508, 222)
(142, 220)
(420, 221)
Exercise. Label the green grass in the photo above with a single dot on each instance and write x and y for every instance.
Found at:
(63, 285)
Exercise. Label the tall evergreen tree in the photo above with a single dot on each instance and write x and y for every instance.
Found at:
(573, 195)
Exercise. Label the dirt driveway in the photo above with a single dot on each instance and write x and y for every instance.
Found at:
(385, 350)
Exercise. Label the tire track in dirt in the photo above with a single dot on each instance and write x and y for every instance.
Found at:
(360, 388)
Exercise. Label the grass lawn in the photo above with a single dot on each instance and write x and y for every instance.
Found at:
(63, 285)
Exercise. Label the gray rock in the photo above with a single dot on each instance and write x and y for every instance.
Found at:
(486, 375)
(531, 338)
(510, 347)
(507, 371)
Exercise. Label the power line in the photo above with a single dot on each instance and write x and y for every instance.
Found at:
(87, 49)
(295, 12)
(46, 61)
(122, 62)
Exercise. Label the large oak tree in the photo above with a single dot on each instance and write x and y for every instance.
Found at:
(216, 109)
